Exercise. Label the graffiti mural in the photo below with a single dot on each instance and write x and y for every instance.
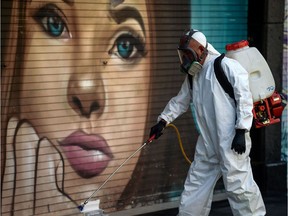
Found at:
(82, 84)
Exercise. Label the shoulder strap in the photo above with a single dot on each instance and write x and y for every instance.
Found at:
(222, 78)
(190, 80)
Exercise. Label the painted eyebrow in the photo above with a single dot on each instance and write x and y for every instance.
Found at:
(69, 2)
(125, 13)
(115, 3)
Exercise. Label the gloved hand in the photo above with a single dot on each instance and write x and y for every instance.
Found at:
(158, 128)
(238, 143)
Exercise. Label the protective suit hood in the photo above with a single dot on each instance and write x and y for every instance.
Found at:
(201, 38)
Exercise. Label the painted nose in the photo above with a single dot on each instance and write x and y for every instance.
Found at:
(86, 95)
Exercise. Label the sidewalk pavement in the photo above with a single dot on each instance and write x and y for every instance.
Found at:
(276, 205)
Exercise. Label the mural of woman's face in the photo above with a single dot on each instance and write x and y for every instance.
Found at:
(85, 87)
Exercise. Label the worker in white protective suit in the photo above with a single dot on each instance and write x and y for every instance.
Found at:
(224, 143)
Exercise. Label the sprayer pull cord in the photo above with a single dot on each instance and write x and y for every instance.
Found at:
(180, 142)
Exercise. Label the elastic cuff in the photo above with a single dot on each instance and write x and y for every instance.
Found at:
(163, 122)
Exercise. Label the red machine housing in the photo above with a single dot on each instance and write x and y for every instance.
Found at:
(268, 111)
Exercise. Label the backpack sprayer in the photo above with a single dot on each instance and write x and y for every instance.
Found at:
(268, 103)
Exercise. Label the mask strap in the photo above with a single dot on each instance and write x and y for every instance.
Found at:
(188, 37)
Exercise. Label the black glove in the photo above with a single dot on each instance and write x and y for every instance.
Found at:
(238, 143)
(158, 128)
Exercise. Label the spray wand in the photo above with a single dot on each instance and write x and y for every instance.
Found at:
(81, 207)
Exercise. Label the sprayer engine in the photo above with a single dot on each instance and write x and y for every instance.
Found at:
(268, 111)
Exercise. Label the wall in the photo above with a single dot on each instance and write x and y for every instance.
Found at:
(223, 22)
(265, 30)
(284, 128)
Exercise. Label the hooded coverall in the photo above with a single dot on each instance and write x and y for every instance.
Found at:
(217, 117)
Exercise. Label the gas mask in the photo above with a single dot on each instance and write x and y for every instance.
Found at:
(189, 61)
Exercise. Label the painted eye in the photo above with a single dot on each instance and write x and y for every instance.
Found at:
(49, 17)
(54, 26)
(125, 46)
(128, 47)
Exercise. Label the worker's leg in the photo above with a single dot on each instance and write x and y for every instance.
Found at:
(203, 174)
(243, 193)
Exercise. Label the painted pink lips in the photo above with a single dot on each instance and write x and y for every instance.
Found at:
(88, 154)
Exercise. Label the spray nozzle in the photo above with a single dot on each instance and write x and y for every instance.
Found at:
(81, 207)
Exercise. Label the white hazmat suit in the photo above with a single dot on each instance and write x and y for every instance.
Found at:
(217, 117)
